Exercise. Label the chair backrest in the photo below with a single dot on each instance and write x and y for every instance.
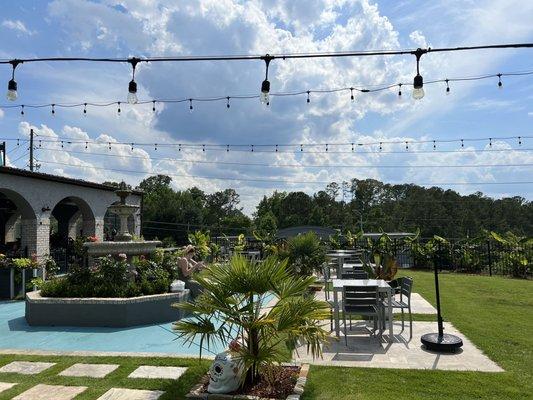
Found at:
(406, 288)
(359, 296)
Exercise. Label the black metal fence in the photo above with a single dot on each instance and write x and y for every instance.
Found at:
(487, 257)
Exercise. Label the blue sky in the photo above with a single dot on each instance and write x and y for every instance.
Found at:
(113, 28)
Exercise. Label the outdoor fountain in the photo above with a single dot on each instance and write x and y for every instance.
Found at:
(123, 242)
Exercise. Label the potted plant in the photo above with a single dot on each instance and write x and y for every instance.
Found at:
(233, 306)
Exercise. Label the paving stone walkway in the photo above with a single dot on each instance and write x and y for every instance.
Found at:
(89, 370)
(26, 367)
(364, 350)
(49, 392)
(154, 372)
(131, 394)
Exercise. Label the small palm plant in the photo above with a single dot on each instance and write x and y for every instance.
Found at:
(233, 306)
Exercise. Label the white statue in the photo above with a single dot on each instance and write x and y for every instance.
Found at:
(225, 374)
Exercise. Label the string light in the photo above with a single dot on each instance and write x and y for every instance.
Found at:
(308, 98)
(132, 87)
(352, 98)
(399, 90)
(519, 141)
(227, 103)
(118, 109)
(264, 97)
(500, 84)
(12, 93)
(22, 110)
(53, 109)
(434, 146)
(153, 105)
(84, 108)
(190, 106)
(418, 81)
(447, 86)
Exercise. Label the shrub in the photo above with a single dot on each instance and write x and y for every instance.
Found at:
(305, 254)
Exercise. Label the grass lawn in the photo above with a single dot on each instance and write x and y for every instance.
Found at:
(495, 313)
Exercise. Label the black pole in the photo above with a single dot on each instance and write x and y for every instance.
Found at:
(31, 150)
(489, 257)
(440, 342)
(437, 293)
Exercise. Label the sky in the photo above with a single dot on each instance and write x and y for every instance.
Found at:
(143, 28)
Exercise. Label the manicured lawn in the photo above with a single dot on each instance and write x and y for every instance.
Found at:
(496, 314)
(118, 378)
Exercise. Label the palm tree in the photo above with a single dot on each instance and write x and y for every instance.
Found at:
(233, 306)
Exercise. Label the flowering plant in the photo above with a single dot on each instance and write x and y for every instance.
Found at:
(92, 239)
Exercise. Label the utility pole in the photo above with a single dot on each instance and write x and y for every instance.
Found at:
(3, 151)
(31, 150)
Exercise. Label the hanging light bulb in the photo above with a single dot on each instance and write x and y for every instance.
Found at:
(418, 81)
(132, 87)
(190, 106)
(500, 84)
(399, 91)
(12, 84)
(447, 87)
(264, 97)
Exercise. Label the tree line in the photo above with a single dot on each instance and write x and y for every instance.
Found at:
(368, 204)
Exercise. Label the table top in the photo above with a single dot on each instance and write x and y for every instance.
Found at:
(340, 283)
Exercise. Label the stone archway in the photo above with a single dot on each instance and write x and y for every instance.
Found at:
(74, 217)
(18, 224)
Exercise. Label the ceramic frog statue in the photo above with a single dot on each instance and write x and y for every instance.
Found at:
(225, 374)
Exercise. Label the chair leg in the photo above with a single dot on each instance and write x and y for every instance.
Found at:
(403, 320)
(410, 324)
(331, 321)
(345, 333)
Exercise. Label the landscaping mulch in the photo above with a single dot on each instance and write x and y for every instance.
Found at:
(282, 386)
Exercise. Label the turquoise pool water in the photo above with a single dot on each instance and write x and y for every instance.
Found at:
(15, 333)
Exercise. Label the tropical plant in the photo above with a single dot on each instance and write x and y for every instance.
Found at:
(240, 245)
(353, 238)
(200, 240)
(305, 253)
(268, 242)
(514, 257)
(335, 241)
(232, 306)
(426, 253)
(383, 255)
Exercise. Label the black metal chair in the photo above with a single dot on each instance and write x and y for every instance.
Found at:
(327, 282)
(355, 274)
(405, 290)
(362, 301)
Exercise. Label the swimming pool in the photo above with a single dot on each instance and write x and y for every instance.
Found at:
(15, 333)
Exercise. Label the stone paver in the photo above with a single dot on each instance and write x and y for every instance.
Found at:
(6, 386)
(49, 392)
(153, 372)
(89, 370)
(26, 367)
(366, 351)
(130, 394)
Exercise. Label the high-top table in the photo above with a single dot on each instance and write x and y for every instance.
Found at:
(383, 286)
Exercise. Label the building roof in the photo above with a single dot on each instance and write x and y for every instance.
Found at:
(59, 179)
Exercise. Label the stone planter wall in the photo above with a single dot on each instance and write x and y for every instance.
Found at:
(197, 393)
(103, 312)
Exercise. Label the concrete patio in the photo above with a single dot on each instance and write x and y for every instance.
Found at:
(366, 351)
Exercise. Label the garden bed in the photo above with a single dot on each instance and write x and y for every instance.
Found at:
(289, 384)
(103, 312)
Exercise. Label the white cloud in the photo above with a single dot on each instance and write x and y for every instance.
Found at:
(18, 26)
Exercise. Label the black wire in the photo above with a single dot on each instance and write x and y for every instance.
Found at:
(359, 88)
(360, 53)
(276, 181)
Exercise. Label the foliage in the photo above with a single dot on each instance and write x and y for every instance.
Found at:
(426, 253)
(200, 240)
(515, 257)
(113, 277)
(240, 245)
(232, 304)
(335, 241)
(24, 263)
(380, 251)
(353, 238)
(51, 268)
(268, 242)
(305, 253)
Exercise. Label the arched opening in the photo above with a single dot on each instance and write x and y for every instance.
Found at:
(71, 219)
(16, 218)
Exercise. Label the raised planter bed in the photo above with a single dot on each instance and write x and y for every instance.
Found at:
(103, 312)
(198, 391)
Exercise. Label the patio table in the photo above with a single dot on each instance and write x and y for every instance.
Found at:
(340, 256)
(383, 286)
